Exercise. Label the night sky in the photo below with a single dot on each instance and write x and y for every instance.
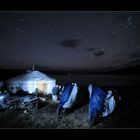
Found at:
(69, 40)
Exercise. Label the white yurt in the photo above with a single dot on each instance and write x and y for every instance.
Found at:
(31, 81)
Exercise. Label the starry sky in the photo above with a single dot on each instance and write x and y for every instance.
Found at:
(69, 40)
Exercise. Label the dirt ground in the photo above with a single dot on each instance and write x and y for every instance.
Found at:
(127, 114)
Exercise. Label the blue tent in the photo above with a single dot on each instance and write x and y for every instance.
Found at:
(68, 97)
(109, 105)
(101, 103)
(66, 94)
(96, 104)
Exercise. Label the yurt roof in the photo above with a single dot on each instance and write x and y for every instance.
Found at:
(30, 76)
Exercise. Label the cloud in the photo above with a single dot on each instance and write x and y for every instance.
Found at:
(70, 43)
(134, 55)
(89, 49)
(100, 53)
(119, 55)
(137, 61)
(117, 60)
(105, 69)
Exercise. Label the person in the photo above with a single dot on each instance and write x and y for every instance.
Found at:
(55, 90)
(36, 92)
(61, 88)
(55, 94)
(1, 84)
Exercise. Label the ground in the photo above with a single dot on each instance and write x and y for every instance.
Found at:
(125, 116)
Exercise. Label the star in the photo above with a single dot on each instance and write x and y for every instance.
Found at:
(22, 20)
(42, 29)
(129, 21)
(91, 56)
(17, 59)
(1, 46)
(37, 49)
(17, 28)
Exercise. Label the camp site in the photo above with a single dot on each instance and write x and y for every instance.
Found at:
(69, 69)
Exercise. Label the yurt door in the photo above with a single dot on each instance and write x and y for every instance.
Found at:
(42, 86)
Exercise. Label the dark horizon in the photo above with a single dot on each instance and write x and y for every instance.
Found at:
(124, 71)
(117, 78)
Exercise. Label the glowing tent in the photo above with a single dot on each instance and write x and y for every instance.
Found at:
(67, 99)
(32, 81)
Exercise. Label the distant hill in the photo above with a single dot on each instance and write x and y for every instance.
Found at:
(125, 71)
(8, 73)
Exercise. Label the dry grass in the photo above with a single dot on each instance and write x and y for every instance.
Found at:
(126, 116)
